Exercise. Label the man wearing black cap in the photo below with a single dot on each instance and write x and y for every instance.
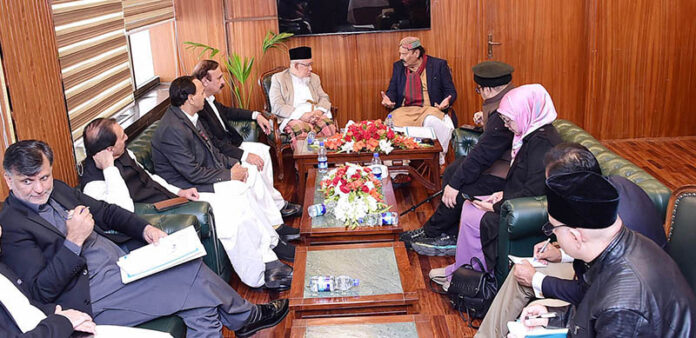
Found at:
(297, 97)
(481, 172)
(634, 287)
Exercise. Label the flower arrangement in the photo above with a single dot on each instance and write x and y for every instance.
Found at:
(372, 136)
(352, 192)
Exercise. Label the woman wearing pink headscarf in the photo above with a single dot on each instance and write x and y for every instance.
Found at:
(528, 112)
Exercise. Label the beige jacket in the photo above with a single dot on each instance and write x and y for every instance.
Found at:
(282, 95)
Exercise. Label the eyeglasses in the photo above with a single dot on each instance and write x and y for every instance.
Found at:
(505, 119)
(478, 89)
(548, 228)
(306, 64)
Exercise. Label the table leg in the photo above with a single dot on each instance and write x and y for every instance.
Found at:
(302, 181)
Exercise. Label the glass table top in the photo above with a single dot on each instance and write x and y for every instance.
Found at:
(385, 330)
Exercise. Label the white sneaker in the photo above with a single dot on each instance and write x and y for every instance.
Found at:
(439, 276)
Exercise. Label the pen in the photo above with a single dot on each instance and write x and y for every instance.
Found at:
(543, 315)
(72, 212)
(543, 248)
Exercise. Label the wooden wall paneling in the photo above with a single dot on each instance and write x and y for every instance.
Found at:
(34, 80)
(200, 21)
(641, 79)
(163, 44)
(236, 9)
(546, 42)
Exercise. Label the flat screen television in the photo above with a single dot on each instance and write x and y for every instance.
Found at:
(312, 17)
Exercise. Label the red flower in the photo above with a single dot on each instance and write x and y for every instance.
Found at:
(390, 134)
(365, 189)
(345, 189)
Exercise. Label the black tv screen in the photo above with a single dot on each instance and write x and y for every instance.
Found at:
(310, 17)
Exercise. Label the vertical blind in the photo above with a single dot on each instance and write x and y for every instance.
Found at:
(93, 53)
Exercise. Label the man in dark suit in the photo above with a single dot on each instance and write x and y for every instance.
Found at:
(20, 316)
(556, 281)
(185, 156)
(420, 92)
(51, 241)
(214, 117)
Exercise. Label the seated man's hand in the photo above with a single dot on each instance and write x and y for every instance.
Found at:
(318, 114)
(79, 224)
(256, 160)
(523, 273)
(532, 311)
(478, 118)
(551, 253)
(239, 173)
(263, 123)
(80, 321)
(487, 204)
(386, 101)
(449, 196)
(104, 159)
(152, 234)
(190, 194)
(444, 104)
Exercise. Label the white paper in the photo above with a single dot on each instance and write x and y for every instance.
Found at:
(177, 248)
(533, 261)
(517, 329)
(113, 331)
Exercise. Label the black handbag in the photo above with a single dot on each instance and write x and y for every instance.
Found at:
(471, 291)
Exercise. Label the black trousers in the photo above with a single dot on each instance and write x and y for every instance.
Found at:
(446, 220)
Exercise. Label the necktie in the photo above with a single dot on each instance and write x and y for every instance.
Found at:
(24, 314)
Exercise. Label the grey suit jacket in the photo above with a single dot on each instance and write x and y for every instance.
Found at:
(282, 94)
(184, 158)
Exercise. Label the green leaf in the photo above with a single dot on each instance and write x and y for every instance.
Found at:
(193, 46)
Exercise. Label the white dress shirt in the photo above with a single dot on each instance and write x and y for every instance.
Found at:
(538, 277)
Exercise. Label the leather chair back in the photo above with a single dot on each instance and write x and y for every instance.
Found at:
(265, 83)
(680, 227)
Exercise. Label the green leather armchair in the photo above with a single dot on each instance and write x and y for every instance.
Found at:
(681, 232)
(521, 218)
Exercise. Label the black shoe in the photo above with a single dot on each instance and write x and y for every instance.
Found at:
(291, 209)
(285, 251)
(265, 316)
(445, 245)
(409, 236)
(278, 276)
(288, 233)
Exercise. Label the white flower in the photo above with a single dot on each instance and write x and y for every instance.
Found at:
(385, 146)
(347, 147)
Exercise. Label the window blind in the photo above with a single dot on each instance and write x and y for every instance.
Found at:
(94, 61)
(140, 13)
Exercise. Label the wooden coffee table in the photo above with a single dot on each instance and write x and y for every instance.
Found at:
(327, 230)
(403, 326)
(427, 173)
(386, 285)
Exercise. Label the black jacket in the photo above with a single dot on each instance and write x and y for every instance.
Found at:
(227, 141)
(495, 141)
(439, 78)
(526, 178)
(141, 187)
(638, 214)
(34, 249)
(184, 158)
(636, 290)
(54, 326)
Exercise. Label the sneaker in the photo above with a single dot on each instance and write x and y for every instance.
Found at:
(438, 276)
(265, 316)
(409, 236)
(445, 245)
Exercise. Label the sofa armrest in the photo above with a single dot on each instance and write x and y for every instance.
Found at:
(199, 209)
(463, 140)
(524, 217)
(172, 223)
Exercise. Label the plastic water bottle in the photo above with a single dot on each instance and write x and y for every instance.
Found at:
(389, 122)
(390, 218)
(376, 166)
(315, 210)
(310, 138)
(331, 283)
(322, 160)
(345, 283)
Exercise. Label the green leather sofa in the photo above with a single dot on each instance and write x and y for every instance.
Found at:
(521, 219)
(681, 233)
